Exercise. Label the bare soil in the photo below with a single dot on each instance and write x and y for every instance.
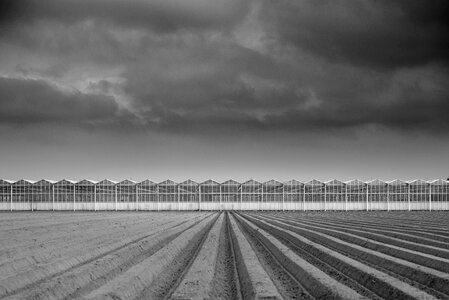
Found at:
(224, 255)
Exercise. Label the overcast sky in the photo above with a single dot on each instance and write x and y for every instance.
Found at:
(224, 89)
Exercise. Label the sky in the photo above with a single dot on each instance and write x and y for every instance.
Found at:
(224, 89)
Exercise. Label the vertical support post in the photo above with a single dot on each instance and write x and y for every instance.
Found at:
(367, 207)
(241, 197)
(53, 196)
(10, 187)
(325, 197)
(199, 197)
(283, 198)
(74, 188)
(408, 195)
(261, 199)
(303, 198)
(312, 195)
(95, 197)
(220, 199)
(388, 197)
(346, 197)
(158, 200)
(430, 198)
(137, 196)
(179, 205)
(115, 186)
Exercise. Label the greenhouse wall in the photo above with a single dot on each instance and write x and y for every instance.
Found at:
(127, 195)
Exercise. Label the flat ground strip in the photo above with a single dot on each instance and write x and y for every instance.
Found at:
(227, 255)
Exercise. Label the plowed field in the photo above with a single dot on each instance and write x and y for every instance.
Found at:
(232, 255)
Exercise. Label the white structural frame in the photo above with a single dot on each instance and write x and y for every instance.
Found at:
(189, 195)
(357, 197)
(335, 195)
(230, 195)
(209, 194)
(273, 195)
(293, 195)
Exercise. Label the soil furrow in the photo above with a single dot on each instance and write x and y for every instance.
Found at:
(368, 276)
(231, 255)
(286, 283)
(90, 268)
(197, 282)
(156, 274)
(375, 237)
(318, 284)
(427, 260)
(390, 233)
(432, 279)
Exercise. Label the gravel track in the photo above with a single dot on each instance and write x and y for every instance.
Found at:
(224, 255)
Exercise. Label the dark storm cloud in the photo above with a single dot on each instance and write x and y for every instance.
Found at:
(409, 100)
(381, 34)
(156, 15)
(28, 101)
(322, 65)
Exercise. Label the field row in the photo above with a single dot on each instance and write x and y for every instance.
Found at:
(228, 255)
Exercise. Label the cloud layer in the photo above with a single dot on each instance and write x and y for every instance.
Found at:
(199, 67)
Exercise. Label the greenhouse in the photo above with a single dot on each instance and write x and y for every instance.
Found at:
(188, 195)
(272, 196)
(231, 196)
(126, 195)
(333, 195)
(377, 195)
(147, 195)
(210, 192)
(357, 196)
(314, 195)
(105, 195)
(251, 196)
(398, 195)
(439, 195)
(419, 195)
(64, 191)
(293, 196)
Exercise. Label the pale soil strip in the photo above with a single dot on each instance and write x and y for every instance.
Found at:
(389, 218)
(44, 227)
(40, 259)
(21, 280)
(42, 250)
(197, 283)
(372, 229)
(82, 277)
(255, 281)
(65, 243)
(18, 217)
(420, 220)
(445, 260)
(382, 225)
(406, 216)
(132, 283)
(367, 218)
(52, 219)
(394, 282)
(326, 227)
(52, 233)
(293, 260)
(373, 252)
(60, 232)
(59, 255)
